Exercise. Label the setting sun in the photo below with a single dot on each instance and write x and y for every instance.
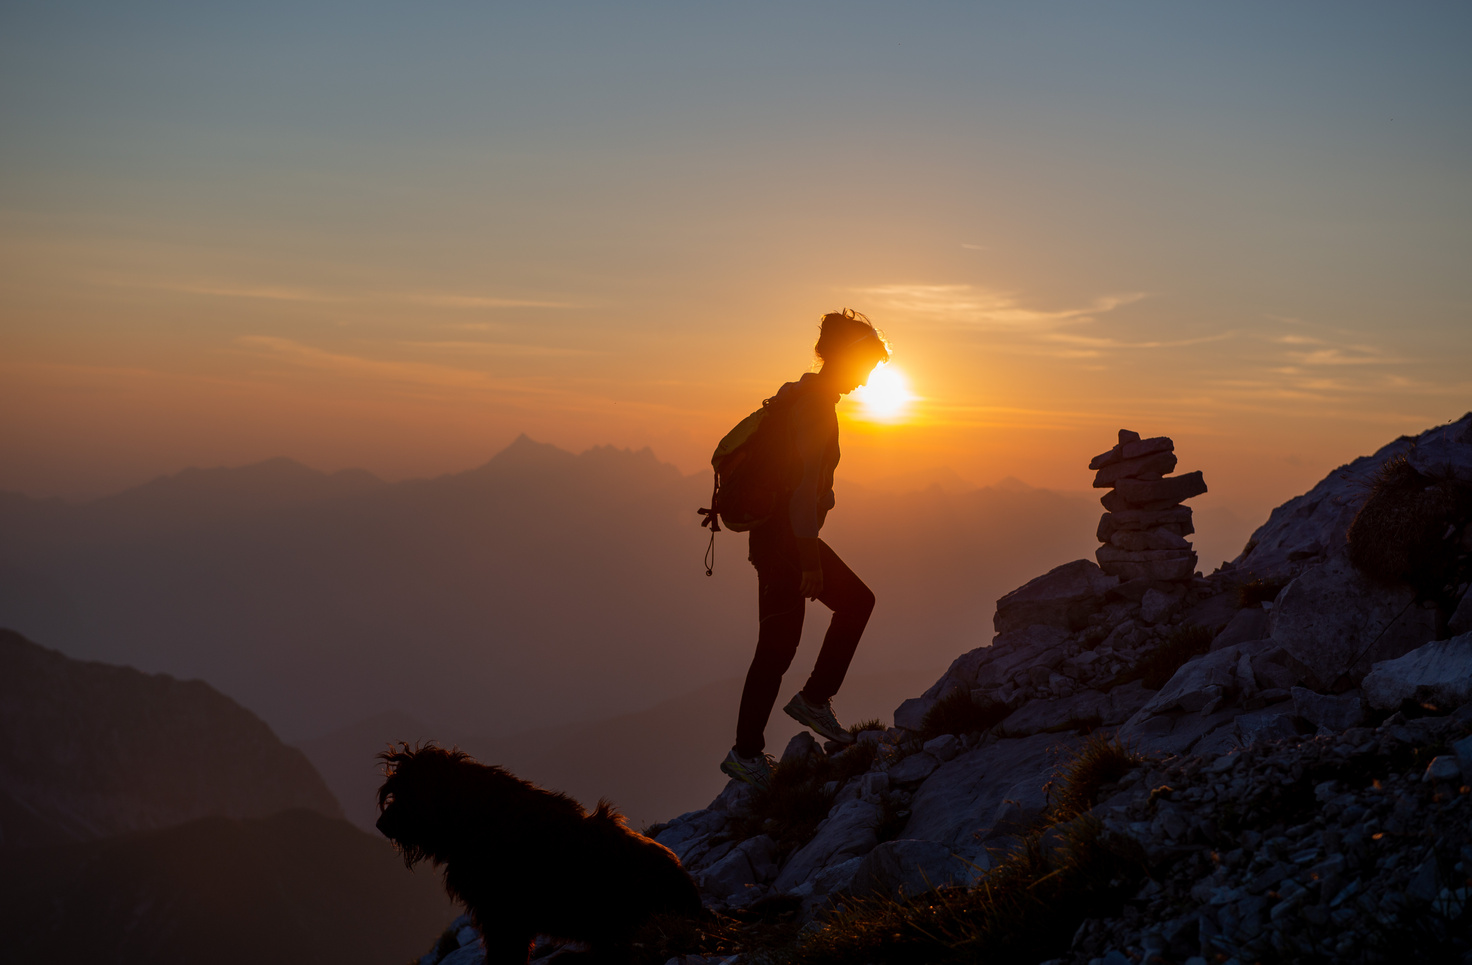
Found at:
(886, 395)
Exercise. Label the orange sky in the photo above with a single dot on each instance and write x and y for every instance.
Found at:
(400, 246)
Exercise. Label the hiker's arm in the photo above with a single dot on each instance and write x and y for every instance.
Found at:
(810, 435)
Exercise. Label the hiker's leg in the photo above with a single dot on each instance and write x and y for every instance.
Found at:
(851, 602)
(780, 609)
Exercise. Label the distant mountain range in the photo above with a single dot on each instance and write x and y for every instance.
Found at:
(153, 820)
(92, 751)
(295, 888)
(542, 587)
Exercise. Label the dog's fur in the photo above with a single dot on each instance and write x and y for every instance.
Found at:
(525, 861)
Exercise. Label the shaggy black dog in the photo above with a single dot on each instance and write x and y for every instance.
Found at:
(525, 861)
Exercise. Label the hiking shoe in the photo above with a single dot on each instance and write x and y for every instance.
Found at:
(756, 771)
(819, 717)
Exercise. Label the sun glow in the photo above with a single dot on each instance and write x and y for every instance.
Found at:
(887, 394)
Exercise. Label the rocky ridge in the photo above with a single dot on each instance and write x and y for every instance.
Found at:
(1296, 717)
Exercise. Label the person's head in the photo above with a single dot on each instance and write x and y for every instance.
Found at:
(849, 348)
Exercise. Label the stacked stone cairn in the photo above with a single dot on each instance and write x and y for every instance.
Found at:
(1145, 527)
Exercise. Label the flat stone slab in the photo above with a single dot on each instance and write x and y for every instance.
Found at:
(1170, 489)
(1132, 450)
(1439, 673)
(1152, 466)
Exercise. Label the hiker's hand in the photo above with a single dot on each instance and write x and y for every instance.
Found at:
(812, 584)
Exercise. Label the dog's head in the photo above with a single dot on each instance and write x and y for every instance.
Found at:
(419, 799)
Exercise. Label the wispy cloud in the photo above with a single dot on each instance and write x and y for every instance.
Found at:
(989, 309)
(286, 293)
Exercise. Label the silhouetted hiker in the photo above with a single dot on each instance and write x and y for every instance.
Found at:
(792, 564)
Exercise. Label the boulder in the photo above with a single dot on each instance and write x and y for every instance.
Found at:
(690, 832)
(752, 862)
(1308, 526)
(1249, 624)
(847, 832)
(1267, 725)
(1087, 708)
(908, 867)
(1150, 466)
(1329, 714)
(943, 748)
(1156, 605)
(1461, 619)
(1333, 616)
(1063, 597)
(961, 796)
(1190, 688)
(1172, 489)
(1439, 673)
(1442, 458)
(913, 769)
(803, 744)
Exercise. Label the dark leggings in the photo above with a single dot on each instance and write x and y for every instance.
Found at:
(780, 608)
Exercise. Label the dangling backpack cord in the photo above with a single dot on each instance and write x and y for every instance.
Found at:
(754, 470)
(713, 521)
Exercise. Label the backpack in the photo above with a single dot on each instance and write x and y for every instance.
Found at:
(756, 469)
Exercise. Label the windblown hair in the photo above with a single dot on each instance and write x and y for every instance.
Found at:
(527, 861)
(848, 333)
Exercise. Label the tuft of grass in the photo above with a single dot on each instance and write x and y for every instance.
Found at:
(1023, 910)
(1398, 535)
(960, 713)
(1026, 908)
(873, 723)
(1156, 667)
(1101, 760)
(791, 808)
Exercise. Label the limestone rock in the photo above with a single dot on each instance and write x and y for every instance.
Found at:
(1063, 597)
(963, 795)
(1156, 605)
(1461, 620)
(1190, 688)
(803, 744)
(909, 867)
(847, 832)
(1265, 726)
(1333, 613)
(913, 769)
(943, 748)
(1309, 526)
(1329, 714)
(1439, 673)
(1249, 624)
(1085, 709)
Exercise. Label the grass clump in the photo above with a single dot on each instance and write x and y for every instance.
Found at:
(1025, 909)
(960, 713)
(798, 799)
(874, 723)
(1100, 761)
(1400, 533)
